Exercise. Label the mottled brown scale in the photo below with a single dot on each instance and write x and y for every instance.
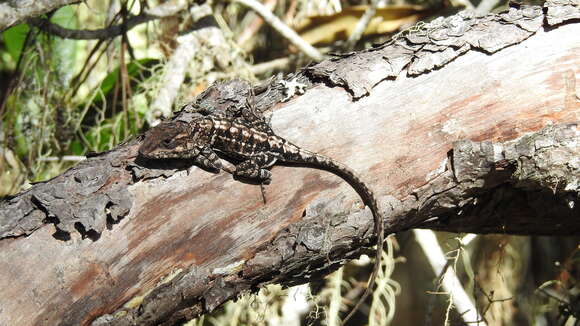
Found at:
(258, 150)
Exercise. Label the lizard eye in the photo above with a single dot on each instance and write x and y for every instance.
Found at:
(167, 142)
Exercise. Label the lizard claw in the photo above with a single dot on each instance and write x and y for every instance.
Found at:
(263, 191)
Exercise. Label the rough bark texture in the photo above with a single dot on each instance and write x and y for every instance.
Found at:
(487, 143)
(14, 12)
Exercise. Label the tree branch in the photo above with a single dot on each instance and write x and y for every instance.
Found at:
(96, 34)
(164, 10)
(283, 29)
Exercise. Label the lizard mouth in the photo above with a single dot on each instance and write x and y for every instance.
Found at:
(147, 150)
(144, 151)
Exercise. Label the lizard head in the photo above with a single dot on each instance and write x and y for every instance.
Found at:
(168, 140)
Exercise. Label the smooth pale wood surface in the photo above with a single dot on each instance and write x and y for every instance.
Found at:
(395, 137)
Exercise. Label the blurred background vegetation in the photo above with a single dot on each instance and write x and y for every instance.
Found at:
(62, 97)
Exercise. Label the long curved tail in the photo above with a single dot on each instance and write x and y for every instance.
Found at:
(347, 174)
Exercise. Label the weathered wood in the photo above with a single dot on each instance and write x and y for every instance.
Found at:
(14, 12)
(112, 243)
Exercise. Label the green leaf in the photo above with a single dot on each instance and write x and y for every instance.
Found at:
(77, 148)
(65, 17)
(64, 50)
(14, 38)
(133, 69)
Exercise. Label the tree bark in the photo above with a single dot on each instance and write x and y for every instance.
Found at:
(14, 12)
(471, 127)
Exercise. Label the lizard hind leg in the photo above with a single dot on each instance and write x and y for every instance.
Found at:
(255, 168)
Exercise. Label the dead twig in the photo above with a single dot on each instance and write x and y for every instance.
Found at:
(362, 24)
(449, 280)
(282, 28)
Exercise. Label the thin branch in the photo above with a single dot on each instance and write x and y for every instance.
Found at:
(450, 282)
(14, 78)
(167, 9)
(485, 6)
(95, 34)
(175, 69)
(362, 24)
(276, 64)
(88, 66)
(173, 77)
(468, 5)
(64, 158)
(282, 28)
(490, 299)
(255, 24)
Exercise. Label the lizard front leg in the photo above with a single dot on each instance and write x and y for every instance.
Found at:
(208, 159)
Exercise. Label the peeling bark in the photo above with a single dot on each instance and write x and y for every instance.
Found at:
(487, 143)
(490, 183)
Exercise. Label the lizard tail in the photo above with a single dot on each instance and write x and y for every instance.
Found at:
(325, 163)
